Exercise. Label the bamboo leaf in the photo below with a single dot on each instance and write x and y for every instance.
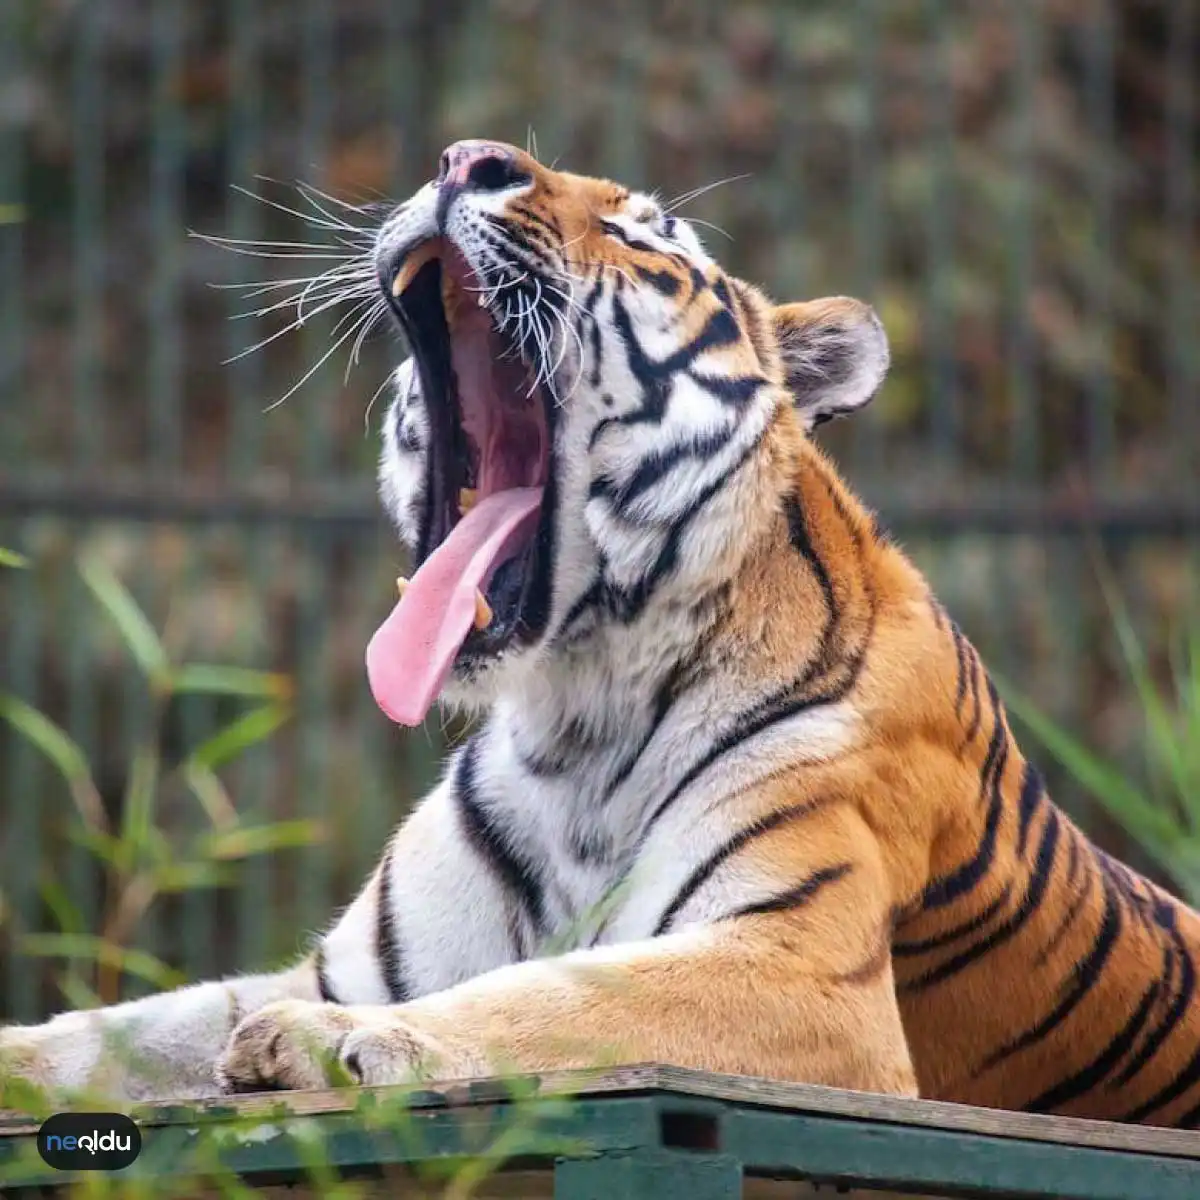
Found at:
(190, 876)
(237, 737)
(212, 680)
(96, 949)
(136, 631)
(137, 818)
(62, 908)
(65, 754)
(10, 558)
(210, 791)
(1157, 831)
(250, 840)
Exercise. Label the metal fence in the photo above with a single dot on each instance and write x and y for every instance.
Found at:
(1011, 183)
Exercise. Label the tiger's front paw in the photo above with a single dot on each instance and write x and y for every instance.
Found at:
(298, 1044)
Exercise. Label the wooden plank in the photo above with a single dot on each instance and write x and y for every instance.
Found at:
(646, 1077)
(947, 1163)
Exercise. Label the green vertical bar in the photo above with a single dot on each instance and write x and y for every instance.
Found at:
(24, 774)
(25, 782)
(1183, 377)
(399, 66)
(625, 149)
(866, 208)
(14, 423)
(1026, 439)
(254, 775)
(939, 236)
(166, 218)
(87, 446)
(556, 122)
(317, 399)
(787, 268)
(87, 174)
(1100, 101)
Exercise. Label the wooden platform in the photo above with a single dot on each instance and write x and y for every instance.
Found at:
(642, 1133)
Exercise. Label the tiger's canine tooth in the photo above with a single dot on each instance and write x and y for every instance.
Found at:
(417, 258)
(466, 499)
(401, 585)
(483, 611)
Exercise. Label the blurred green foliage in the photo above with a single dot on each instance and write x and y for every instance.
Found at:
(140, 859)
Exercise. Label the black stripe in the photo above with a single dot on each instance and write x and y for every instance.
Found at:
(705, 870)
(656, 465)
(1091, 1076)
(518, 877)
(627, 604)
(1086, 974)
(960, 677)
(939, 613)
(976, 703)
(1031, 901)
(749, 725)
(676, 681)
(800, 537)
(948, 888)
(1180, 1004)
(387, 943)
(1068, 917)
(977, 922)
(1032, 793)
(795, 897)
(663, 282)
(734, 390)
(324, 987)
(719, 330)
(1179, 1086)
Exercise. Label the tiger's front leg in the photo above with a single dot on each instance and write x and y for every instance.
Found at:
(431, 895)
(795, 986)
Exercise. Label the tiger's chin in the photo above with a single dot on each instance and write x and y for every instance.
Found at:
(482, 546)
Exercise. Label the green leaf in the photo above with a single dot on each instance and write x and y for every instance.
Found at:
(136, 631)
(238, 736)
(250, 840)
(210, 791)
(96, 949)
(65, 754)
(1147, 821)
(190, 877)
(1164, 746)
(208, 679)
(137, 814)
(64, 910)
(10, 558)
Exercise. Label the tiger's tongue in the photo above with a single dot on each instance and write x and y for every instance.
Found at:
(412, 652)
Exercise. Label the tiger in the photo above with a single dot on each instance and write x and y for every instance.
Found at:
(738, 794)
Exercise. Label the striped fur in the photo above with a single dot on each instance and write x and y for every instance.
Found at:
(747, 802)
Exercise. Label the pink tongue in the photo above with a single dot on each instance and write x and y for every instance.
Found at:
(412, 652)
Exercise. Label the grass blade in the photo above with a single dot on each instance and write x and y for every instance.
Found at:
(259, 839)
(65, 754)
(237, 737)
(136, 631)
(210, 680)
(89, 948)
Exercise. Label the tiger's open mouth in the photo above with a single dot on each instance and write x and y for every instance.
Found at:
(481, 578)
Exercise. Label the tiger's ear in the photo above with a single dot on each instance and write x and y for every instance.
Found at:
(835, 355)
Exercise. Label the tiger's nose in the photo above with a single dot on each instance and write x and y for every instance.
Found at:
(476, 166)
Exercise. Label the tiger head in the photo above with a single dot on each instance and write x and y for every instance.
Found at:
(593, 425)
